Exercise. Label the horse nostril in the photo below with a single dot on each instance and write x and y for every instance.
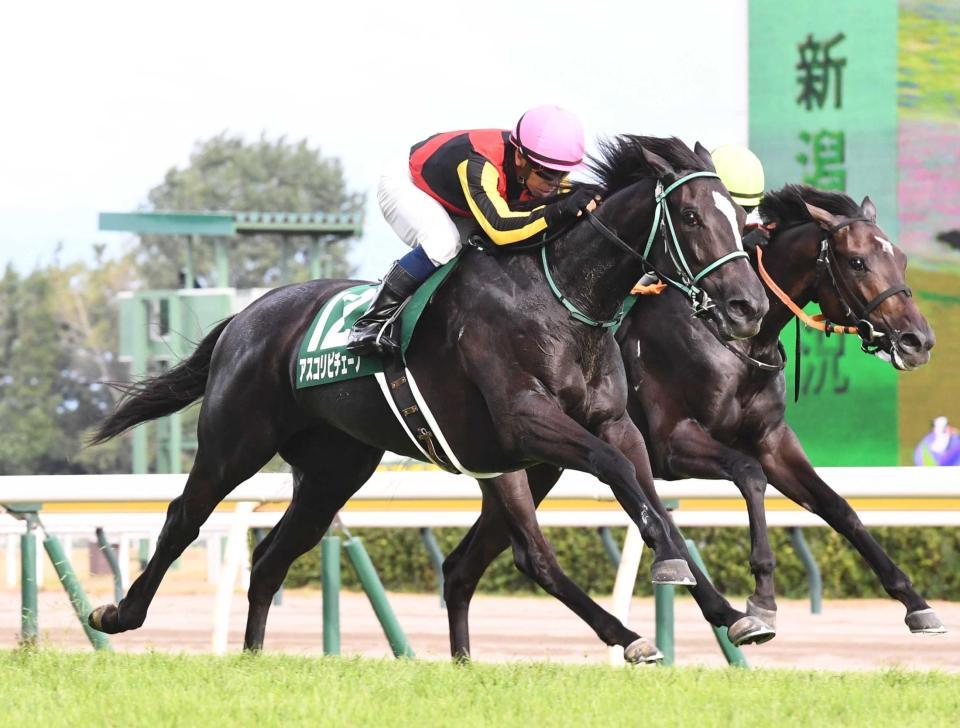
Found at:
(741, 309)
(911, 342)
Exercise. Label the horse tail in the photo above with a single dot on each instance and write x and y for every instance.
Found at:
(162, 395)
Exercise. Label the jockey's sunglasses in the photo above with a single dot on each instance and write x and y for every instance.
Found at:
(553, 176)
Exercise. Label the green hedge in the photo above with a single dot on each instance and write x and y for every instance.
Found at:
(929, 556)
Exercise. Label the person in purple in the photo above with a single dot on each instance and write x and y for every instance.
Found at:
(940, 446)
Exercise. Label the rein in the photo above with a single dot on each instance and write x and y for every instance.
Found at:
(746, 358)
(817, 321)
(699, 299)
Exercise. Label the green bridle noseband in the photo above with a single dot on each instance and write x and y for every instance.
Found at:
(662, 223)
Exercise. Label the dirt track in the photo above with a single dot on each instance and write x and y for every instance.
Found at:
(864, 634)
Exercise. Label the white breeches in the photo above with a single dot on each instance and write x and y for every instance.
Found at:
(415, 216)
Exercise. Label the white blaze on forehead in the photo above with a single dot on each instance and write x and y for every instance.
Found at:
(726, 207)
(887, 245)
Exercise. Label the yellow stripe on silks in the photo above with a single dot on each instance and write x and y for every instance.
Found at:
(488, 181)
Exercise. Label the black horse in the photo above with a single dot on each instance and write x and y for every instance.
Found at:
(514, 378)
(713, 409)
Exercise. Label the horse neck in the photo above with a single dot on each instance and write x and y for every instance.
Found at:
(594, 273)
(791, 261)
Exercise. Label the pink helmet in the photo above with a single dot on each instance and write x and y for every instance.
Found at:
(550, 136)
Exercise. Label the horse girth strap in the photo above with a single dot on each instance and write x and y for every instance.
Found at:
(413, 417)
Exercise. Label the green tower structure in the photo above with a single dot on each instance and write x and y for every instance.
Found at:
(160, 327)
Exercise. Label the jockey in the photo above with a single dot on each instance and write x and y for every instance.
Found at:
(478, 175)
(742, 174)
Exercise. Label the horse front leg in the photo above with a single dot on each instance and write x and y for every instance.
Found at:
(692, 452)
(533, 427)
(741, 628)
(791, 472)
(487, 538)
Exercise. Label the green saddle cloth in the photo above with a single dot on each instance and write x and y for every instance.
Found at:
(323, 356)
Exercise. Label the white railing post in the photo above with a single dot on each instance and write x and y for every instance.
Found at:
(13, 563)
(214, 559)
(236, 551)
(245, 567)
(123, 556)
(624, 584)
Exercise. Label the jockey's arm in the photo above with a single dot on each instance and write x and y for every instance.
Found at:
(479, 178)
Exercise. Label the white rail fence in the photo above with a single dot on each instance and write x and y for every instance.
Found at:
(133, 507)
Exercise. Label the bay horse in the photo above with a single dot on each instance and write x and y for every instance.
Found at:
(517, 372)
(713, 409)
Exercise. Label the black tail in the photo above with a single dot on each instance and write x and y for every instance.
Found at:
(163, 395)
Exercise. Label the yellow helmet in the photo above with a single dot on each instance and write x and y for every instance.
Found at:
(741, 173)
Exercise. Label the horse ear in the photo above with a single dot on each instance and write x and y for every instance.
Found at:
(660, 166)
(868, 210)
(823, 217)
(701, 151)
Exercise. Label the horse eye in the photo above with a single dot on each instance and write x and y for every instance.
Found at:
(690, 217)
(857, 264)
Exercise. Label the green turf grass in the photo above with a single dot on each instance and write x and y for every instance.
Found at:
(48, 688)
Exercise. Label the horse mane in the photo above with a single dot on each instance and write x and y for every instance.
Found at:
(620, 161)
(786, 205)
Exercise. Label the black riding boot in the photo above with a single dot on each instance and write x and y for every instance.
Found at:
(395, 288)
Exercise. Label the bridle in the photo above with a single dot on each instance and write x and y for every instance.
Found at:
(684, 279)
(871, 340)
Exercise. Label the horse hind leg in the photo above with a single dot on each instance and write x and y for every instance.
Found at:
(793, 475)
(462, 570)
(534, 557)
(466, 564)
(216, 471)
(329, 467)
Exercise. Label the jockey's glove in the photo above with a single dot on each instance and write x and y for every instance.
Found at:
(754, 237)
(572, 204)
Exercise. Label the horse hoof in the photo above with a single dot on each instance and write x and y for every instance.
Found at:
(750, 630)
(642, 650)
(925, 621)
(767, 616)
(672, 571)
(106, 619)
